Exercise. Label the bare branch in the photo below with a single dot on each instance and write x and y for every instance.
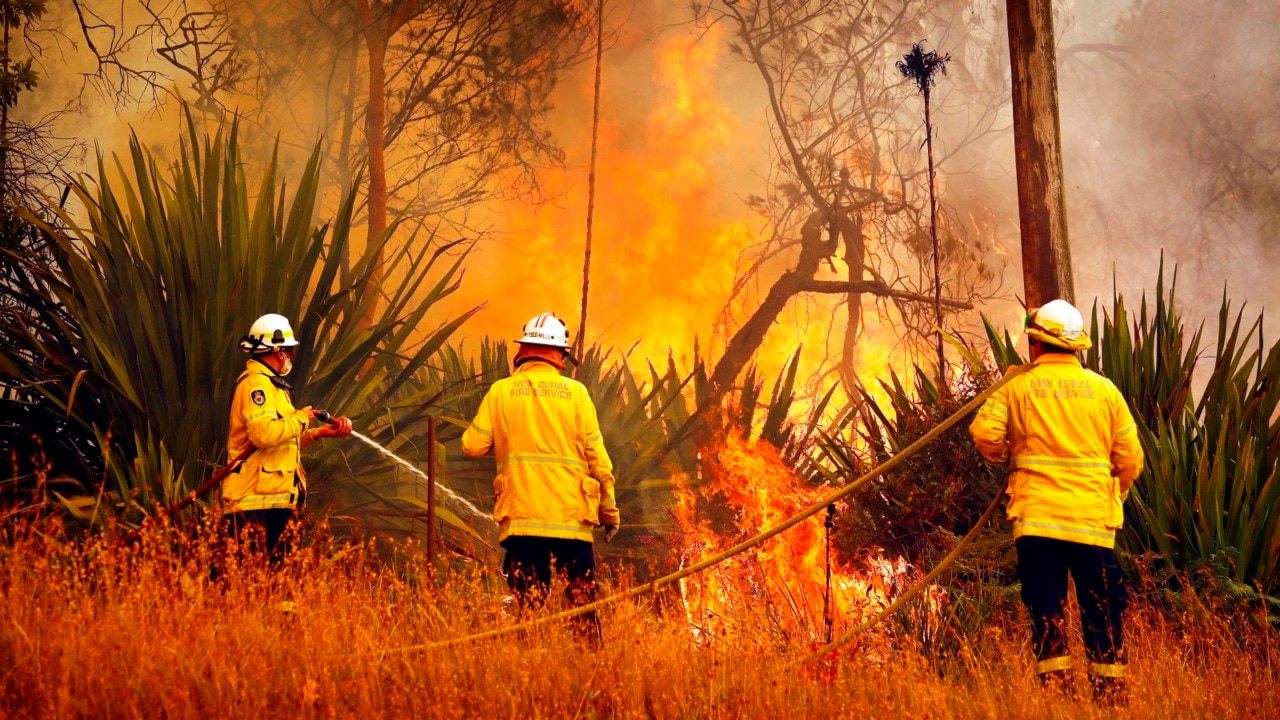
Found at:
(876, 288)
(848, 159)
(119, 48)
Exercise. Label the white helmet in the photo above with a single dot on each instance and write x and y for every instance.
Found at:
(267, 334)
(1059, 323)
(546, 329)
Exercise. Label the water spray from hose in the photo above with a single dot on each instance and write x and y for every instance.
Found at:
(472, 509)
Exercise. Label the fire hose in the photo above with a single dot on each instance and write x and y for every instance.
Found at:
(205, 487)
(914, 589)
(745, 545)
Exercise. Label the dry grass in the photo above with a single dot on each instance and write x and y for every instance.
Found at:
(94, 630)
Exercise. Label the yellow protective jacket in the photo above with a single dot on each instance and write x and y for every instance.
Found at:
(263, 417)
(1071, 447)
(554, 476)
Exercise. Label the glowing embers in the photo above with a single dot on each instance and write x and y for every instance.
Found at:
(777, 591)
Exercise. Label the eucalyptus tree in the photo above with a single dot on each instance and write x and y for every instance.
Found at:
(439, 104)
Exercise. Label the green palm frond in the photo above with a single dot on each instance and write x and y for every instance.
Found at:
(1211, 487)
(163, 269)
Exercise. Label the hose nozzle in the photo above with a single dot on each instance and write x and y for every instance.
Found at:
(324, 416)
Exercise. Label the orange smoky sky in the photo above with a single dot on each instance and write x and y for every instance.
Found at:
(673, 163)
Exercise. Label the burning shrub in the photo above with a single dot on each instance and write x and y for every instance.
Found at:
(918, 509)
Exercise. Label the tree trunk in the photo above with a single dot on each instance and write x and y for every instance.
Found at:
(744, 343)
(1046, 256)
(855, 252)
(581, 344)
(4, 122)
(378, 31)
(375, 119)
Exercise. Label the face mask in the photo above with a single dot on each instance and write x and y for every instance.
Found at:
(288, 366)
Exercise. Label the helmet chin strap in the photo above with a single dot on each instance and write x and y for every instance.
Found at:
(277, 376)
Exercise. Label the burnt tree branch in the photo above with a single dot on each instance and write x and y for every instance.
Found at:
(873, 287)
(747, 339)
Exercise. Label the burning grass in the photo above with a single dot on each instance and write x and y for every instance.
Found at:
(92, 629)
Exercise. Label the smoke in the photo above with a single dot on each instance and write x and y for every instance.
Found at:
(1171, 146)
(1170, 129)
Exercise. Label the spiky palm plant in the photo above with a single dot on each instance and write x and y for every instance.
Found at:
(1210, 494)
(162, 271)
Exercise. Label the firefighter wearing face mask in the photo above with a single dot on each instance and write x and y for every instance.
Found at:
(1071, 446)
(262, 494)
(555, 480)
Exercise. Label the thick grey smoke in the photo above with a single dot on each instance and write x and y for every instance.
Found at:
(1170, 129)
(1169, 112)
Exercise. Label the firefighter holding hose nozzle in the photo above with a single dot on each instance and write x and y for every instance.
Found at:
(261, 495)
(1071, 446)
(555, 479)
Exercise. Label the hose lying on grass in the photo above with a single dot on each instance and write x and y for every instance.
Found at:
(791, 522)
(914, 589)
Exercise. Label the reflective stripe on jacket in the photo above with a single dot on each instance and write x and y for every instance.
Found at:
(263, 416)
(554, 476)
(1071, 446)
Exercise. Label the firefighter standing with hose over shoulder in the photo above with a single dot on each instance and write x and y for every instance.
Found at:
(1071, 446)
(555, 481)
(260, 497)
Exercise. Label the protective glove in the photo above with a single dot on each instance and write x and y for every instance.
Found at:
(342, 427)
(609, 532)
(336, 427)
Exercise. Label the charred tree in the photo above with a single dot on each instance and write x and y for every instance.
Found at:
(842, 161)
(802, 279)
(855, 260)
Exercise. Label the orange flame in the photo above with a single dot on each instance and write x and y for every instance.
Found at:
(677, 153)
(781, 585)
(668, 227)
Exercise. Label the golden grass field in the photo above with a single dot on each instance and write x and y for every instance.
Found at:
(95, 629)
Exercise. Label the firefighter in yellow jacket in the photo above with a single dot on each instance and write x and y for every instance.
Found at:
(1072, 450)
(555, 481)
(261, 495)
